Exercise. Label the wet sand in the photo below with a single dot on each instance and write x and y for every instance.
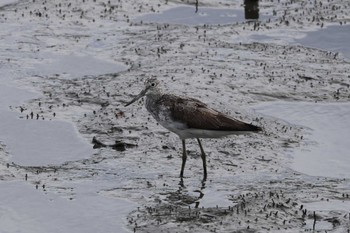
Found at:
(65, 51)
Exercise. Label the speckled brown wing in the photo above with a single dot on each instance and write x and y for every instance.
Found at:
(197, 115)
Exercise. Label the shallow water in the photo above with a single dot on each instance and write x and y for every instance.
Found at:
(37, 142)
(73, 66)
(76, 46)
(188, 16)
(333, 38)
(325, 147)
(25, 209)
(328, 205)
(6, 2)
(321, 207)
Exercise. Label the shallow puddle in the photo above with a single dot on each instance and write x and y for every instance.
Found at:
(325, 148)
(320, 208)
(36, 142)
(74, 66)
(25, 209)
(334, 38)
(40, 142)
(188, 15)
(7, 2)
(330, 205)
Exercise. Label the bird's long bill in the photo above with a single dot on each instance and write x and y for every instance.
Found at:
(142, 93)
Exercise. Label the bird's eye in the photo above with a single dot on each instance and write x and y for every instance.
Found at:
(153, 84)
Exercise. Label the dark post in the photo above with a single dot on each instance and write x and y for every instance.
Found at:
(251, 9)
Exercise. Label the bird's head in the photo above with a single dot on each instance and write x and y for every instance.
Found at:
(151, 87)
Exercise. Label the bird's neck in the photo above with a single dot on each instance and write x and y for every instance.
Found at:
(151, 100)
(151, 103)
(154, 94)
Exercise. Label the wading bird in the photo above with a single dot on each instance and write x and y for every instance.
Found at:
(189, 118)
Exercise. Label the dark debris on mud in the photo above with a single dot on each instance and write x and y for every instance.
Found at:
(250, 212)
(118, 145)
(269, 209)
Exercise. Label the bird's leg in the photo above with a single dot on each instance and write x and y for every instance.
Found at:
(181, 183)
(204, 160)
(184, 157)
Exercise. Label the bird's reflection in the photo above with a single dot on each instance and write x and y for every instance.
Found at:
(186, 197)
